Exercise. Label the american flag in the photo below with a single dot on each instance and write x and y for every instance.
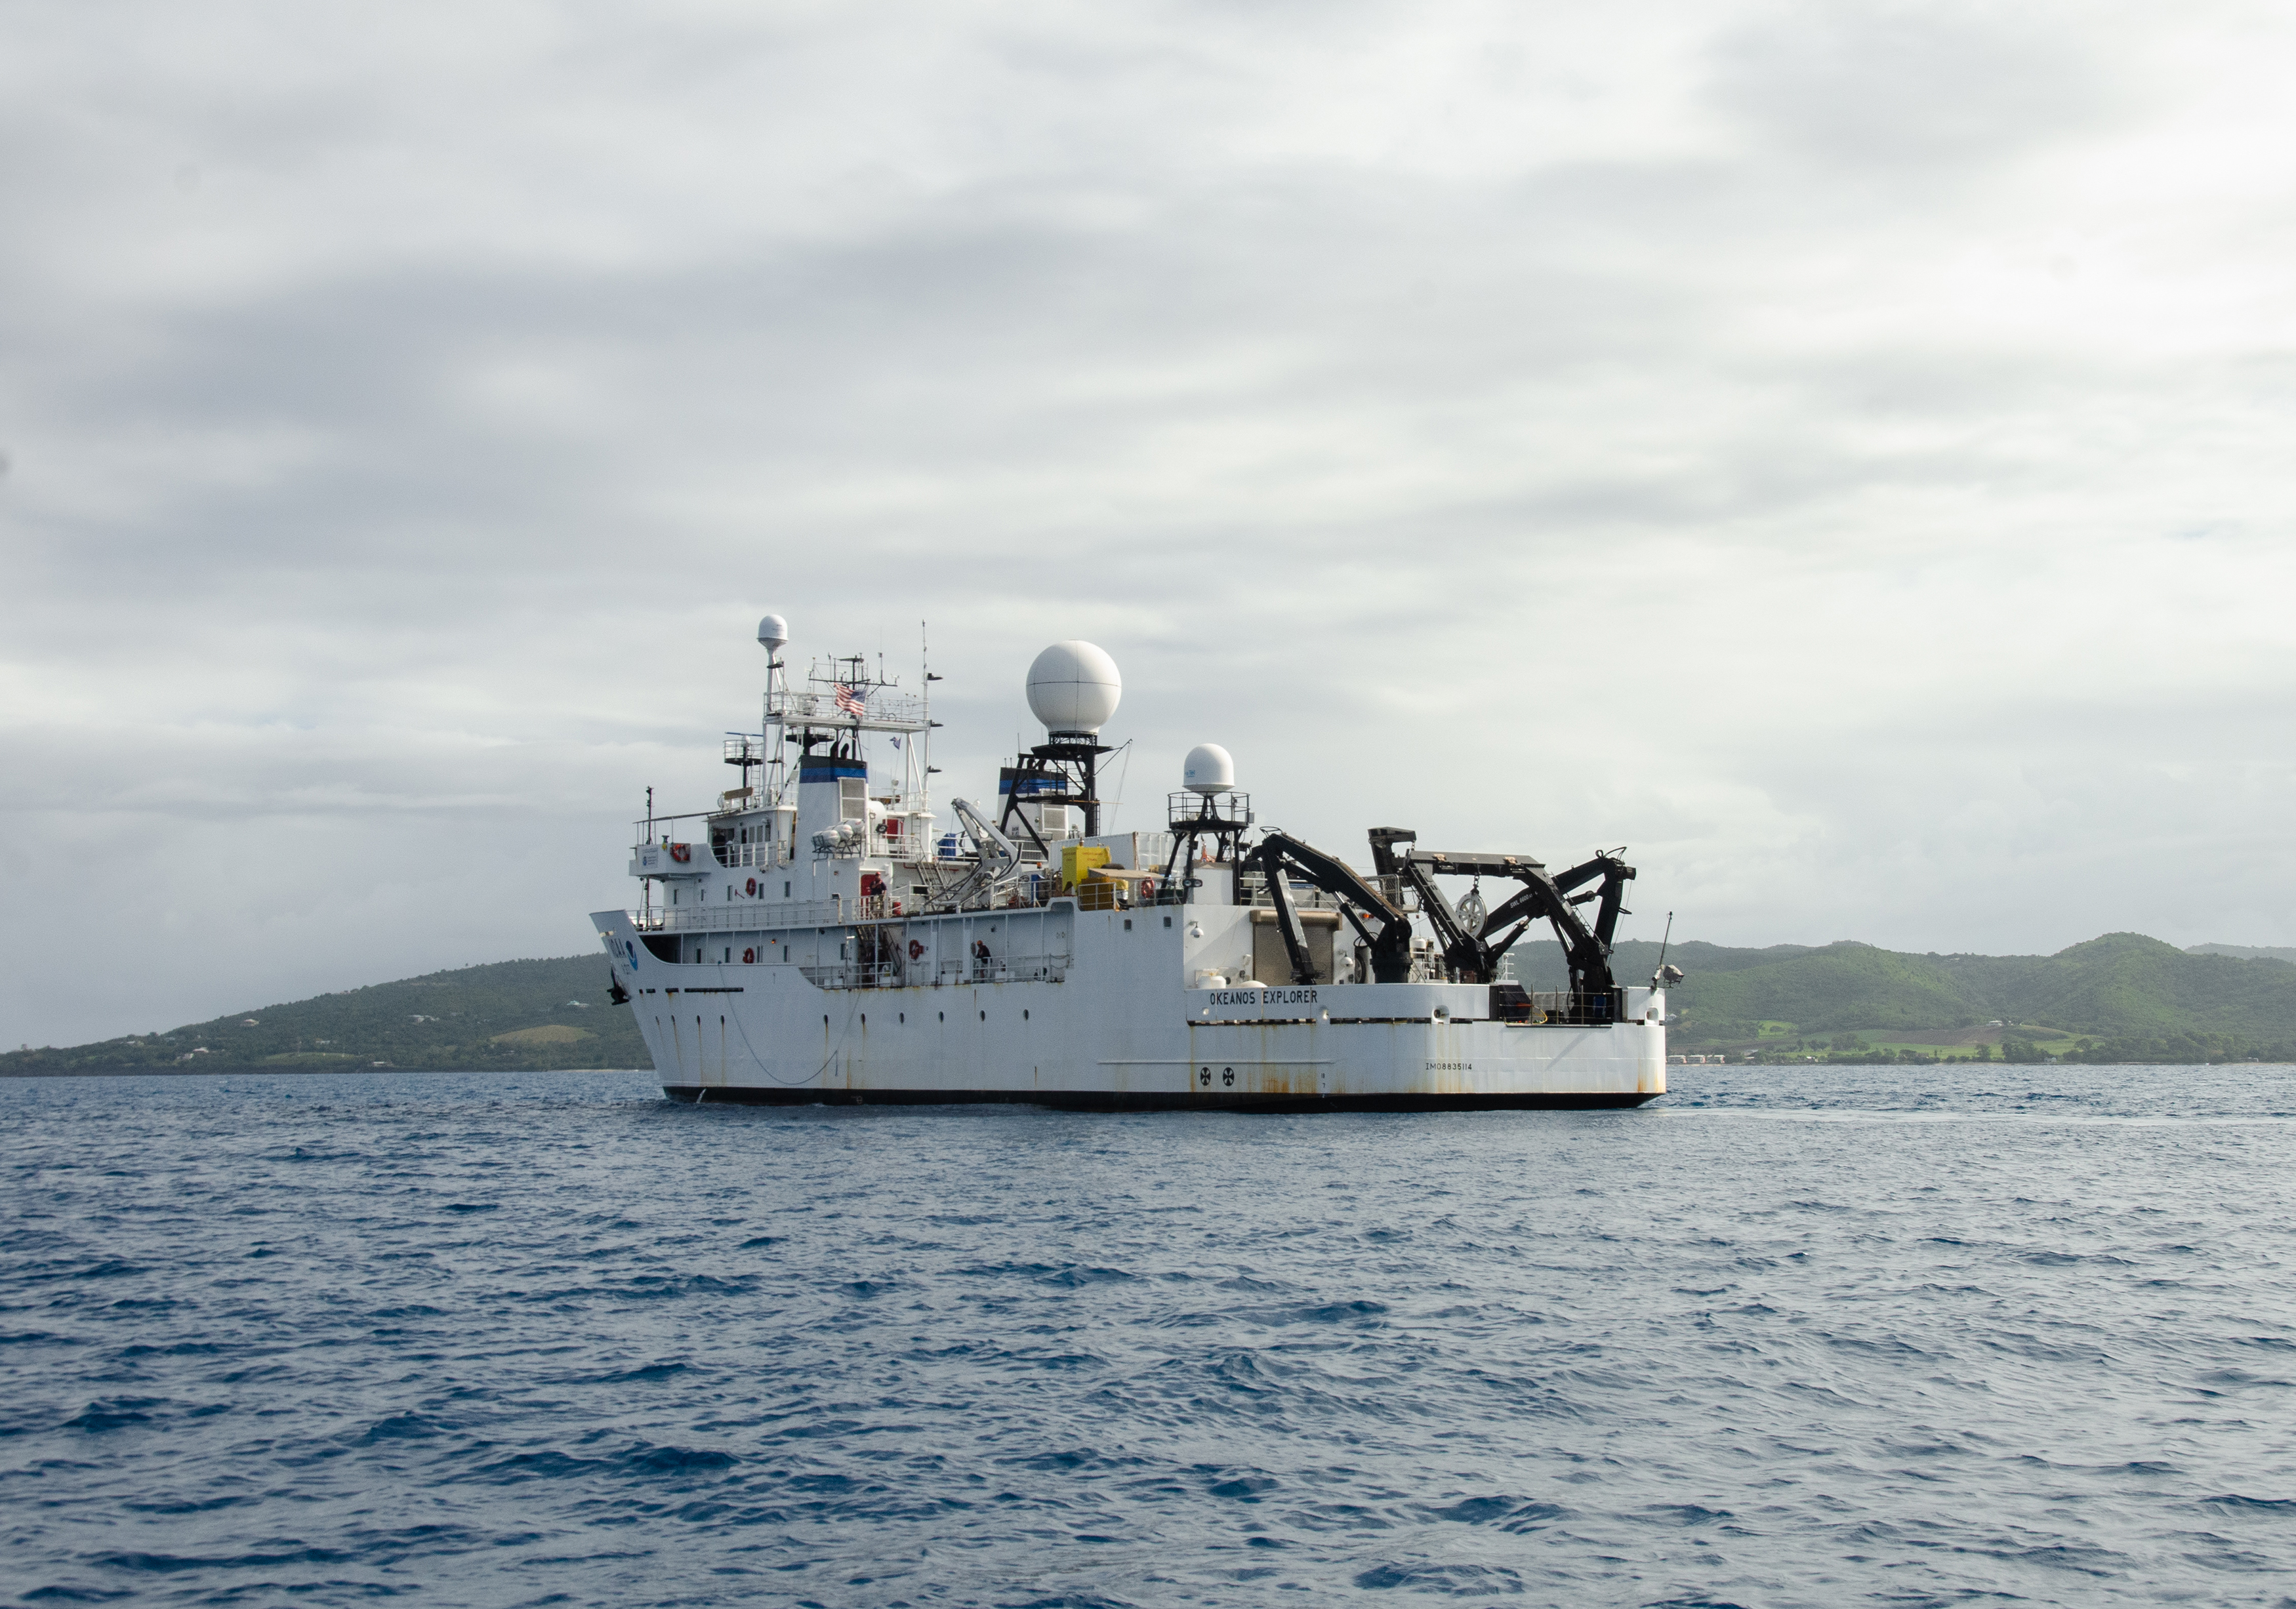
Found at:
(849, 699)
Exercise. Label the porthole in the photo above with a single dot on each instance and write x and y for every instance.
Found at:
(944, 1016)
(984, 1016)
(825, 1019)
(864, 1019)
(1024, 1013)
(904, 1016)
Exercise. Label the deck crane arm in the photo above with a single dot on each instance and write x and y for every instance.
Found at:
(1587, 950)
(1390, 944)
(1000, 860)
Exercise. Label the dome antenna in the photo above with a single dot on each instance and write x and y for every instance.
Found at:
(1073, 688)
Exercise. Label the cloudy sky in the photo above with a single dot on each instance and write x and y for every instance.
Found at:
(1840, 451)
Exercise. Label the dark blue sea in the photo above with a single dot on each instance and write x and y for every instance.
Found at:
(1808, 1336)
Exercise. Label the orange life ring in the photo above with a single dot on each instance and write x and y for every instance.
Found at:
(1148, 888)
(916, 950)
(680, 851)
(754, 887)
(749, 957)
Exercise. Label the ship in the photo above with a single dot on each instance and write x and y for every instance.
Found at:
(819, 935)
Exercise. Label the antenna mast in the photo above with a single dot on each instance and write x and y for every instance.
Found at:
(773, 636)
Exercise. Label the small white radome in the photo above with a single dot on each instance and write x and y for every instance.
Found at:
(1207, 770)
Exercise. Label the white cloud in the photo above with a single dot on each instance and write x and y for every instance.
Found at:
(1833, 450)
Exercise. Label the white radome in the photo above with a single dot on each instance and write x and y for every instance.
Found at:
(1073, 687)
(1207, 770)
(773, 631)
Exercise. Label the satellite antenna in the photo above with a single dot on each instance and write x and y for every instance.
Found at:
(773, 636)
(1073, 688)
(1208, 771)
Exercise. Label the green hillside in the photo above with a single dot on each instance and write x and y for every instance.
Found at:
(2243, 952)
(2120, 996)
(2125, 984)
(509, 1015)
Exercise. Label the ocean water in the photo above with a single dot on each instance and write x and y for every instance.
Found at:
(1805, 1336)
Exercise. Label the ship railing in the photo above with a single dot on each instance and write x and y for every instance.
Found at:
(853, 974)
(645, 829)
(1585, 1008)
(1021, 969)
(1188, 810)
(882, 710)
(865, 974)
(746, 915)
(1252, 889)
(735, 856)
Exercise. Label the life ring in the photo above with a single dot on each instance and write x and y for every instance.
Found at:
(1148, 891)
(680, 851)
(749, 957)
(916, 950)
(752, 888)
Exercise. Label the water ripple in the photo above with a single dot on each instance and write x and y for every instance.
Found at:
(1794, 1336)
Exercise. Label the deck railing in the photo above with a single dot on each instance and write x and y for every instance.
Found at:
(746, 915)
(1000, 969)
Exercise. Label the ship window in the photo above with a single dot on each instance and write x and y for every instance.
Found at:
(944, 1016)
(984, 1016)
(1167, 921)
(904, 1016)
(1024, 1013)
(1128, 925)
(784, 890)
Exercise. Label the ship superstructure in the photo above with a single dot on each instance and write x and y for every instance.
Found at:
(819, 936)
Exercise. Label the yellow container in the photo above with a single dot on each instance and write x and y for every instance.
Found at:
(1078, 859)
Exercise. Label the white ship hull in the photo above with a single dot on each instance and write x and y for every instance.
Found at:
(1090, 1009)
(816, 938)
